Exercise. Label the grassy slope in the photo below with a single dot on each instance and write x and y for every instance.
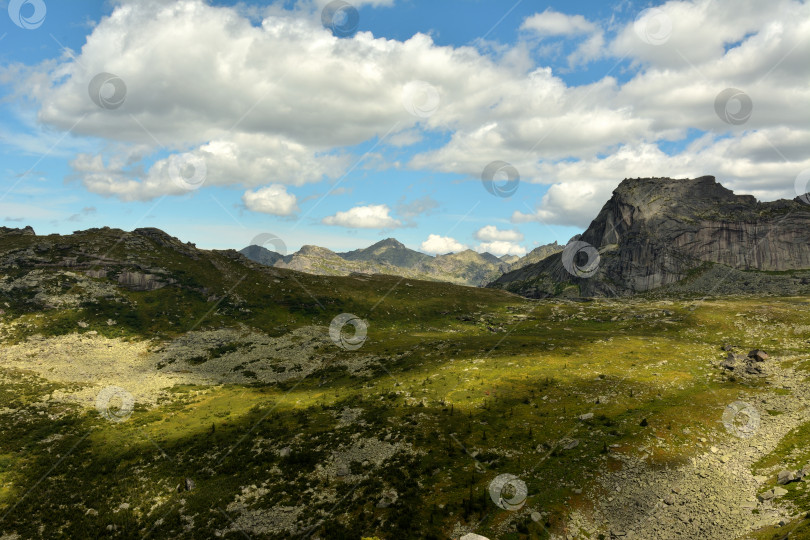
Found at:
(496, 394)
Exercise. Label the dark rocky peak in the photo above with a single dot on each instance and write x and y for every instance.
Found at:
(387, 244)
(25, 231)
(655, 231)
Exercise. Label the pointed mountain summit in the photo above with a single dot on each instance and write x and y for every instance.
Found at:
(656, 232)
(388, 251)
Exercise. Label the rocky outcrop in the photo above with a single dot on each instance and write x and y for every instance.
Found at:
(138, 281)
(658, 231)
(26, 231)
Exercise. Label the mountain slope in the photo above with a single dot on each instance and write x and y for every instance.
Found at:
(391, 257)
(199, 379)
(262, 255)
(536, 255)
(656, 232)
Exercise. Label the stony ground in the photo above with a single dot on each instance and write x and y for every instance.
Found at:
(611, 412)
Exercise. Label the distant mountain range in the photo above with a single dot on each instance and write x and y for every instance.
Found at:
(687, 235)
(390, 256)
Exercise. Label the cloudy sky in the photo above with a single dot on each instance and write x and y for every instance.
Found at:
(449, 125)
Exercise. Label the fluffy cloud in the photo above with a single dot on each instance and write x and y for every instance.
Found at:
(500, 248)
(554, 23)
(374, 216)
(276, 102)
(271, 200)
(491, 233)
(439, 245)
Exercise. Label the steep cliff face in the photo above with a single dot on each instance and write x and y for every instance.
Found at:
(657, 231)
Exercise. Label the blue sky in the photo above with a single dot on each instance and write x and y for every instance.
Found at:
(342, 140)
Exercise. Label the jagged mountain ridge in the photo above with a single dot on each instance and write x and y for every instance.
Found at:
(390, 256)
(656, 232)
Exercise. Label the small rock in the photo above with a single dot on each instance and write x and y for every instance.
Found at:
(473, 536)
(761, 479)
(571, 444)
(758, 355)
(724, 459)
(713, 450)
(785, 477)
(778, 492)
(189, 484)
(669, 499)
(284, 452)
(83, 324)
(586, 416)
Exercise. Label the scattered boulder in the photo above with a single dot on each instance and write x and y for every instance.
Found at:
(571, 444)
(586, 416)
(730, 362)
(785, 477)
(758, 355)
(473, 536)
(772, 494)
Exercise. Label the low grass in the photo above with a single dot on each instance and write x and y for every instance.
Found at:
(475, 382)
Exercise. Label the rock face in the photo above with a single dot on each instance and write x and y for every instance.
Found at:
(657, 231)
(139, 281)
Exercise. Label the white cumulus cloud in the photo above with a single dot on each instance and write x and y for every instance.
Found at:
(554, 23)
(439, 245)
(373, 216)
(272, 199)
(491, 233)
(500, 248)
